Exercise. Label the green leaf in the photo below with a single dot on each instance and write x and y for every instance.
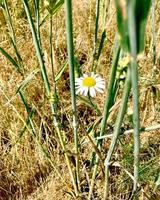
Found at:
(158, 181)
(53, 10)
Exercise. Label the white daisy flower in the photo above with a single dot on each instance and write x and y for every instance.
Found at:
(89, 84)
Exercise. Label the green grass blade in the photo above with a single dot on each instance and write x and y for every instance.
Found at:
(24, 102)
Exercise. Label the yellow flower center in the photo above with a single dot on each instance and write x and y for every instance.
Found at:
(89, 82)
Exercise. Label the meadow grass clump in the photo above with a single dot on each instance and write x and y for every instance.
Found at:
(79, 98)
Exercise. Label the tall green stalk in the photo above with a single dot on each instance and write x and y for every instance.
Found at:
(68, 8)
(13, 36)
(107, 106)
(48, 91)
(134, 78)
(37, 14)
(116, 132)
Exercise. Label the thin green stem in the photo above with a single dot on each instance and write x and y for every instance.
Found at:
(134, 78)
(154, 31)
(107, 107)
(108, 100)
(48, 90)
(103, 36)
(105, 12)
(94, 105)
(51, 46)
(52, 59)
(142, 129)
(68, 7)
(116, 132)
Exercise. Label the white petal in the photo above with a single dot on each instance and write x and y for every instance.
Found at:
(85, 91)
(85, 75)
(100, 82)
(92, 91)
(99, 79)
(92, 74)
(77, 87)
(102, 86)
(99, 90)
(96, 76)
(78, 80)
(78, 91)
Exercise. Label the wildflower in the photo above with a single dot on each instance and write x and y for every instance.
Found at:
(89, 84)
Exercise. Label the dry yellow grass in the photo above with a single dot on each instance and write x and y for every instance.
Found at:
(24, 171)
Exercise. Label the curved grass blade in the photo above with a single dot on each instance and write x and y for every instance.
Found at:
(27, 80)
(28, 121)
(60, 72)
(15, 64)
